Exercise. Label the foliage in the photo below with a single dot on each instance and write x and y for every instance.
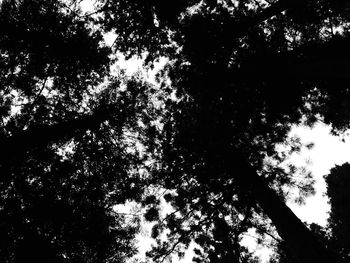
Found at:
(66, 157)
(337, 191)
(80, 140)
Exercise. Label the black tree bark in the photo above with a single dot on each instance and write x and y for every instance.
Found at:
(300, 241)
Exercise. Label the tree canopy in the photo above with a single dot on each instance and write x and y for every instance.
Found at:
(78, 138)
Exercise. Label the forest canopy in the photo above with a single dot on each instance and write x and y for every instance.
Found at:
(80, 136)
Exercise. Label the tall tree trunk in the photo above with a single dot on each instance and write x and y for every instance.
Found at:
(300, 241)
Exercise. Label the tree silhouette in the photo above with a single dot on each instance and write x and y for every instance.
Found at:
(335, 234)
(66, 159)
(337, 192)
(75, 139)
(228, 121)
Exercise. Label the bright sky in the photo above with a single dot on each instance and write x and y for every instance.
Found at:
(328, 151)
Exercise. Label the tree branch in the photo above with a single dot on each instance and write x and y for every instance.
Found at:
(242, 26)
(16, 146)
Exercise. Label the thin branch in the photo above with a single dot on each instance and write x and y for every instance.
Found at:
(35, 100)
(264, 231)
(102, 9)
(130, 214)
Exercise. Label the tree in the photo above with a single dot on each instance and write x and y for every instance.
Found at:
(335, 234)
(228, 114)
(66, 158)
(214, 147)
(337, 191)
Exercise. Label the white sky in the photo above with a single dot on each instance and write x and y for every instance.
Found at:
(328, 151)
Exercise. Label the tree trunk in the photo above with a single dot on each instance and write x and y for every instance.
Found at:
(300, 241)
